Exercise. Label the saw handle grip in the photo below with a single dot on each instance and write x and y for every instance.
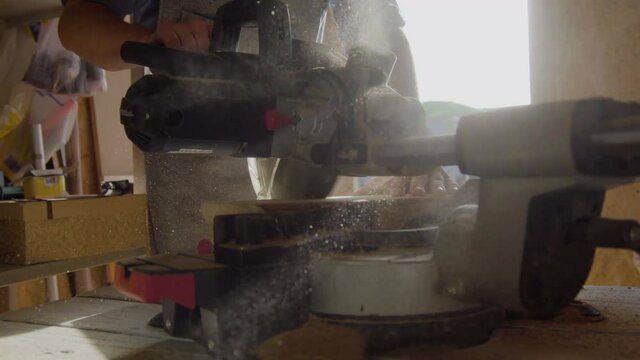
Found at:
(176, 62)
(143, 54)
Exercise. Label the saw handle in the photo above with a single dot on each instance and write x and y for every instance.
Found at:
(150, 55)
(176, 62)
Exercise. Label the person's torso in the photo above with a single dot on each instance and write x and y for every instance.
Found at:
(305, 14)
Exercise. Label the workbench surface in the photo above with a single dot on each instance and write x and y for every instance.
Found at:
(104, 325)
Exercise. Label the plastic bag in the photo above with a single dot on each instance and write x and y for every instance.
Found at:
(60, 71)
(56, 114)
(16, 109)
(16, 152)
(16, 51)
(17, 48)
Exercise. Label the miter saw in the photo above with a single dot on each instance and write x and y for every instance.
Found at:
(523, 243)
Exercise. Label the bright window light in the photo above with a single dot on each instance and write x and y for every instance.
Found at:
(473, 52)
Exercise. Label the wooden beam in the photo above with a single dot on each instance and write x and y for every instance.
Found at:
(88, 159)
(12, 274)
(91, 107)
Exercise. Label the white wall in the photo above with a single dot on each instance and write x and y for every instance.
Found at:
(114, 149)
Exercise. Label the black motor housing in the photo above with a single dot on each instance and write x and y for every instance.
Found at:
(161, 114)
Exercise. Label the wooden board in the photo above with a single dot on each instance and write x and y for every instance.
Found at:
(88, 157)
(105, 293)
(11, 274)
(388, 212)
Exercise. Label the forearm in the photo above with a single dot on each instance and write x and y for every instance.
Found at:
(96, 34)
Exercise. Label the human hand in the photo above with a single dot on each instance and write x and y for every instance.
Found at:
(194, 35)
(436, 183)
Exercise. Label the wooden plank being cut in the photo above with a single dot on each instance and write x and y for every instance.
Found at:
(384, 211)
(11, 274)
